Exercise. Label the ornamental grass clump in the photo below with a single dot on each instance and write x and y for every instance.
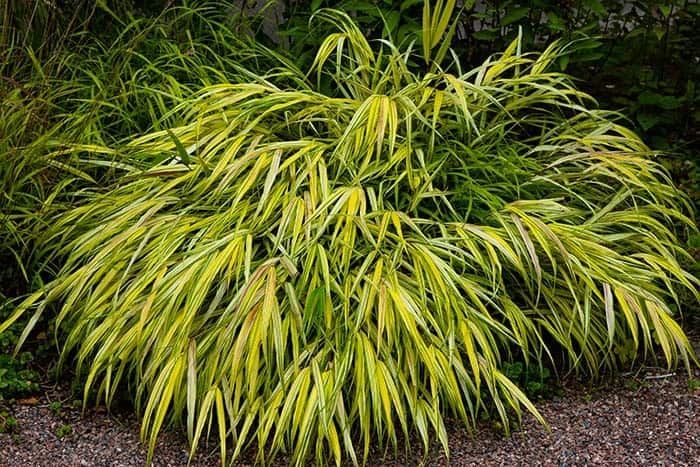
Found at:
(311, 272)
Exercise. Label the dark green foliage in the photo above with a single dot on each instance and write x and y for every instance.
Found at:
(64, 431)
(16, 380)
(536, 381)
(636, 384)
(55, 408)
(8, 423)
(17, 377)
(693, 384)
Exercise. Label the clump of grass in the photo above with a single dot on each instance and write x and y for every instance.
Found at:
(313, 270)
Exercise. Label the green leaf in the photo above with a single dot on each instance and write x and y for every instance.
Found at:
(486, 34)
(513, 15)
(181, 151)
(564, 62)
(555, 22)
(597, 7)
(406, 4)
(392, 21)
(663, 101)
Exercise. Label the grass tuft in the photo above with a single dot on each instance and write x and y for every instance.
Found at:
(311, 261)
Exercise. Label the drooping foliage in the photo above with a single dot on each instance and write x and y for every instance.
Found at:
(313, 261)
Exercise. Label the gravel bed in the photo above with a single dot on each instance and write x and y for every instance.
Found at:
(646, 419)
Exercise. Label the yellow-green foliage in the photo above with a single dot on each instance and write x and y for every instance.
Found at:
(315, 272)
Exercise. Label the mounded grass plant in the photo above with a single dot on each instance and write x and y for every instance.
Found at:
(311, 262)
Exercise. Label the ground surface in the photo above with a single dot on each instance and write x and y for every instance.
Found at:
(649, 418)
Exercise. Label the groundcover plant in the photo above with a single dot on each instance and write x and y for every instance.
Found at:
(332, 259)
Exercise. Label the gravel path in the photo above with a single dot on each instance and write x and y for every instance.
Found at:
(647, 419)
